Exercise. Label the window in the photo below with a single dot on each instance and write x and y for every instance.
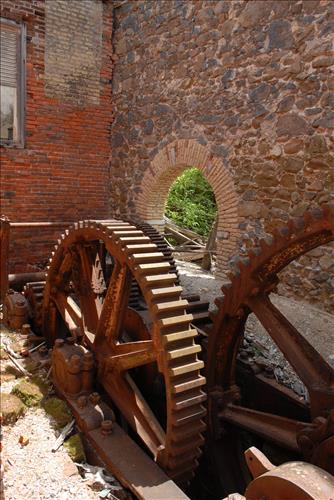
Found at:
(12, 82)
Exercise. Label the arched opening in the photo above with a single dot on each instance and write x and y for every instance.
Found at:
(169, 164)
(191, 218)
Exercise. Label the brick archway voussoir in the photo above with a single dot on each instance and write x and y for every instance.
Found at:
(167, 165)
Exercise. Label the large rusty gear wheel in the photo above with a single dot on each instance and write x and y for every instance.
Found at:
(122, 340)
(303, 428)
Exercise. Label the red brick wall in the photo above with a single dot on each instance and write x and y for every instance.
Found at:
(62, 171)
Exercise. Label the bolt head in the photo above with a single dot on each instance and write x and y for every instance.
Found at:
(26, 328)
(106, 427)
(88, 356)
(94, 398)
(43, 351)
(82, 401)
(59, 343)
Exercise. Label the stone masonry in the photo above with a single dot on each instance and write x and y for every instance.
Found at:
(243, 90)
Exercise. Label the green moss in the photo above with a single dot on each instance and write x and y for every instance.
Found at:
(58, 409)
(28, 392)
(11, 408)
(43, 385)
(75, 448)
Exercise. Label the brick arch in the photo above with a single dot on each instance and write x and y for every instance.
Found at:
(167, 165)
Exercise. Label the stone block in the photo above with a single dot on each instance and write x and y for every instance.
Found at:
(292, 125)
(11, 408)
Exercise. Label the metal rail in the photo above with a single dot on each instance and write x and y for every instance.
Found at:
(23, 225)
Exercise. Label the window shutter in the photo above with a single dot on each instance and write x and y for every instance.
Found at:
(8, 56)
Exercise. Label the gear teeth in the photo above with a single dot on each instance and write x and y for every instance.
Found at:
(242, 265)
(254, 252)
(232, 275)
(226, 288)
(213, 315)
(284, 231)
(317, 213)
(155, 276)
(329, 208)
(296, 238)
(299, 223)
(219, 301)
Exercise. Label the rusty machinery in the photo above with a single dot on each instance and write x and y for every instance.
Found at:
(119, 322)
(239, 397)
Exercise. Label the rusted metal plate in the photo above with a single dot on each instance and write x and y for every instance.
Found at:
(293, 480)
(122, 456)
(4, 255)
(133, 467)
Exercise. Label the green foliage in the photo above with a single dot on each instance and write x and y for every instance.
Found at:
(191, 202)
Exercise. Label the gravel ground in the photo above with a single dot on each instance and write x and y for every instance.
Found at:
(33, 471)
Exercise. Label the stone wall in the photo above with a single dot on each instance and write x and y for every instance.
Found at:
(61, 173)
(251, 83)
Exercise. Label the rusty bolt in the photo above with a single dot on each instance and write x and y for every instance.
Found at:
(112, 415)
(95, 398)
(25, 329)
(106, 427)
(70, 340)
(59, 342)
(240, 312)
(305, 444)
(243, 354)
(82, 401)
(24, 352)
(269, 372)
(88, 356)
(43, 350)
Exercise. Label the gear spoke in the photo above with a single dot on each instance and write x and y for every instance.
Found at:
(69, 311)
(89, 302)
(115, 304)
(138, 414)
(280, 430)
(312, 369)
(132, 354)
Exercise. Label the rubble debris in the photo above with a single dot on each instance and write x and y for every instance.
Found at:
(62, 436)
(11, 408)
(24, 441)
